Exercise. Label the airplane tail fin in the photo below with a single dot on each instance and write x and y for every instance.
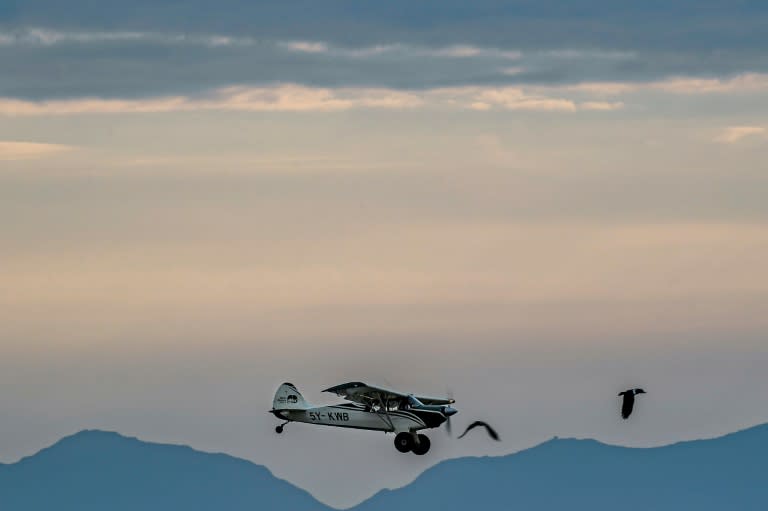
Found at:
(288, 397)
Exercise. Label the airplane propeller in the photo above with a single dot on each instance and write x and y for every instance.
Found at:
(449, 393)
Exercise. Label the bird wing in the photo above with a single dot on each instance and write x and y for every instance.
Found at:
(491, 432)
(469, 428)
(626, 405)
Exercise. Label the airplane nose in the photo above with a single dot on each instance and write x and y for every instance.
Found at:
(449, 410)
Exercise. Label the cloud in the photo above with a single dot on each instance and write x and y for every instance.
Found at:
(456, 51)
(748, 82)
(480, 106)
(298, 98)
(601, 105)
(43, 63)
(14, 150)
(742, 83)
(14, 107)
(44, 37)
(467, 51)
(542, 25)
(512, 71)
(514, 98)
(733, 134)
(588, 54)
(317, 47)
(305, 46)
(283, 98)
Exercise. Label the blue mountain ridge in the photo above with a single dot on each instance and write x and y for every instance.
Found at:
(729, 472)
(104, 471)
(97, 470)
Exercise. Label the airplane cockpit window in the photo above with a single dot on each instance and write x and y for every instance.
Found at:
(412, 401)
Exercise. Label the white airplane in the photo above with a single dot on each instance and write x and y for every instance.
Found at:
(372, 408)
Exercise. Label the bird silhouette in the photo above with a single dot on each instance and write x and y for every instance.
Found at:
(491, 432)
(629, 401)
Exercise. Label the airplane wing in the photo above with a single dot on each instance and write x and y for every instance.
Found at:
(363, 393)
(435, 400)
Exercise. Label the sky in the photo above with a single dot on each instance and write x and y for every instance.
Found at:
(528, 205)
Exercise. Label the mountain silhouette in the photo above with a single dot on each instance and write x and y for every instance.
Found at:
(100, 471)
(703, 475)
(96, 470)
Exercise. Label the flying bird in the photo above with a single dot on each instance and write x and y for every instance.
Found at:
(475, 424)
(629, 401)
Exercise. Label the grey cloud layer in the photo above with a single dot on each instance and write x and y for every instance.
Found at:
(145, 49)
(41, 64)
(686, 24)
(44, 64)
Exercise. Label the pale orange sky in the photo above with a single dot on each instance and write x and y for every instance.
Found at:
(163, 272)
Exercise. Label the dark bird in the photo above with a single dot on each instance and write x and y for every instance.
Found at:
(629, 401)
(475, 424)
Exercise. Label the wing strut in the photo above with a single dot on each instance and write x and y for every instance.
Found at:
(385, 417)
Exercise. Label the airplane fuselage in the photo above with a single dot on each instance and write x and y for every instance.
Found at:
(356, 416)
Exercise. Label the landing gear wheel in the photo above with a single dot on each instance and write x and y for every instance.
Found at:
(278, 429)
(422, 447)
(404, 442)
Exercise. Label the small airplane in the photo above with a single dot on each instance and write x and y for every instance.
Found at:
(371, 408)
